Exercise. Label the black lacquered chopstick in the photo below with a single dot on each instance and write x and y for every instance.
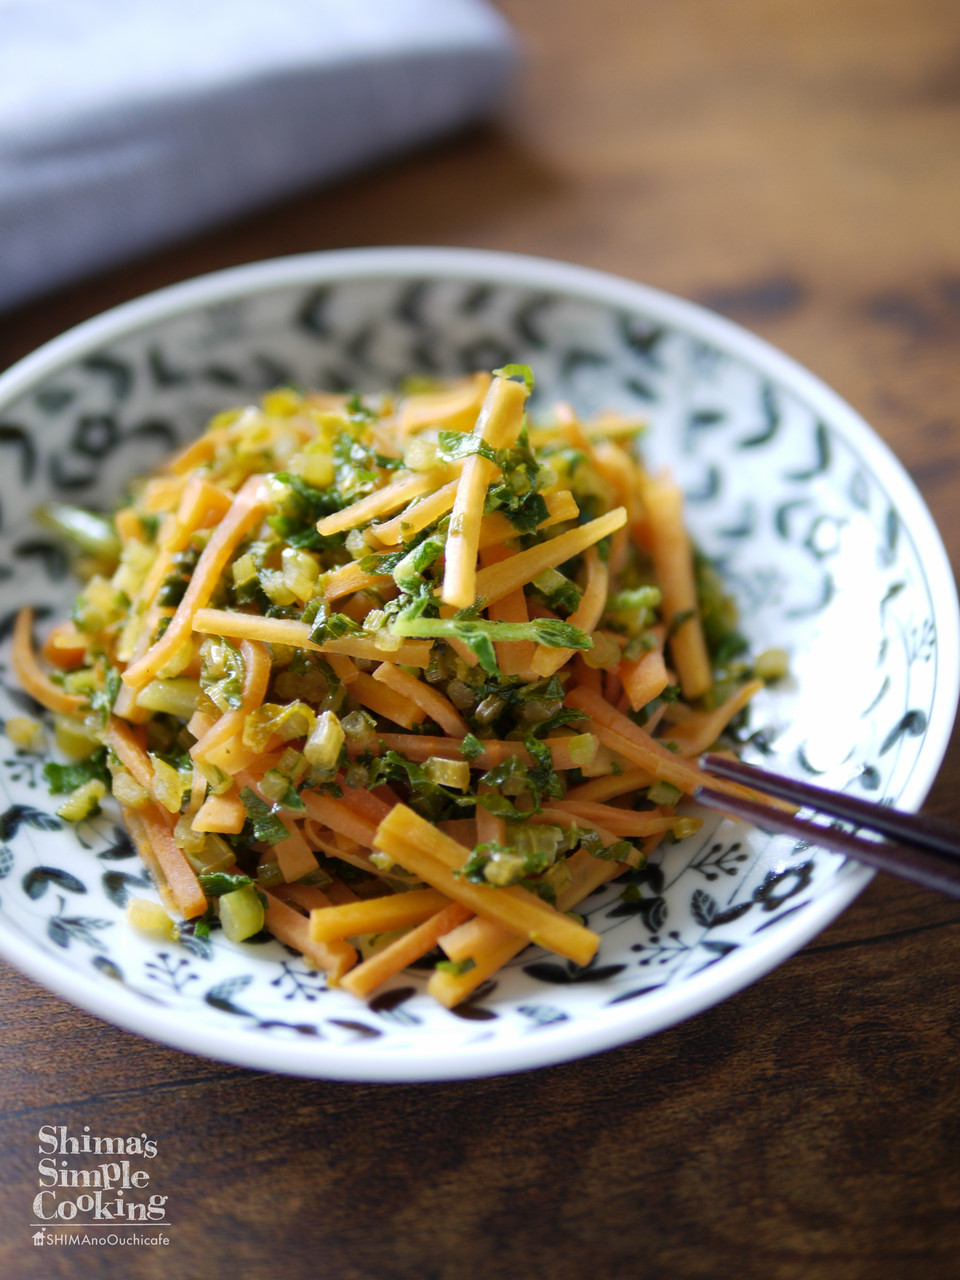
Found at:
(916, 829)
(927, 850)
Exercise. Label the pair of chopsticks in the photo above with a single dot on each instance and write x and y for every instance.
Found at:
(924, 850)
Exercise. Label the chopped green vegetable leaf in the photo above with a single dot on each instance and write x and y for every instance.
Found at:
(102, 699)
(524, 511)
(66, 778)
(635, 598)
(304, 505)
(408, 571)
(328, 625)
(516, 371)
(217, 883)
(267, 827)
(222, 673)
(456, 967)
(479, 635)
(92, 533)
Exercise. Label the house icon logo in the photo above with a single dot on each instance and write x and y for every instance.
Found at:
(38, 1237)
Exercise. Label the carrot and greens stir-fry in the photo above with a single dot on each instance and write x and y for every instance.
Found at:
(388, 674)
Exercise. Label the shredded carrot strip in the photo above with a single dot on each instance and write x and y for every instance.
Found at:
(587, 677)
(351, 578)
(514, 657)
(256, 677)
(620, 733)
(420, 747)
(229, 755)
(621, 822)
(128, 525)
(343, 668)
(253, 626)
(196, 453)
(293, 855)
(125, 704)
(369, 804)
(180, 876)
(292, 928)
(341, 847)
(229, 725)
(202, 505)
(339, 817)
(247, 508)
(223, 622)
(563, 818)
(586, 616)
(430, 701)
(608, 788)
(357, 606)
(417, 516)
(702, 729)
(224, 814)
(498, 425)
(385, 964)
(612, 685)
(200, 723)
(65, 647)
(644, 679)
(410, 653)
(673, 559)
(375, 915)
(620, 471)
(306, 896)
(495, 582)
(463, 830)
(455, 407)
(197, 502)
(380, 501)
(383, 701)
(429, 854)
(624, 736)
(490, 945)
(35, 681)
(135, 829)
(124, 743)
(161, 494)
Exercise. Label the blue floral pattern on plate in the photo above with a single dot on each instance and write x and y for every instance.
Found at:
(791, 504)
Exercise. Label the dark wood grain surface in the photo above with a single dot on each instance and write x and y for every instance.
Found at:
(795, 165)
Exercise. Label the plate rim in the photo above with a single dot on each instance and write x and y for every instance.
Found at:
(610, 1027)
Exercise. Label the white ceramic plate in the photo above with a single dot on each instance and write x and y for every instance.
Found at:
(818, 531)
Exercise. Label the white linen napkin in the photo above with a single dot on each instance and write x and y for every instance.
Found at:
(128, 123)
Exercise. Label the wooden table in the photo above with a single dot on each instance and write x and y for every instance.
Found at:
(795, 166)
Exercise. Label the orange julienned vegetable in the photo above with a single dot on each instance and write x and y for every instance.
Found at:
(424, 696)
(498, 426)
(403, 951)
(313, 560)
(27, 670)
(247, 508)
(673, 558)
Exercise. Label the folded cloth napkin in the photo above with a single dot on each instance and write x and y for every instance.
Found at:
(128, 123)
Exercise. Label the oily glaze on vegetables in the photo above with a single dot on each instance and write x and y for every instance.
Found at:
(390, 673)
